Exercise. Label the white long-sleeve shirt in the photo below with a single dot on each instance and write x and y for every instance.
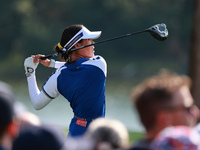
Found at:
(39, 98)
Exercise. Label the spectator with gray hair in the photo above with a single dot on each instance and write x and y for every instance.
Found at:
(108, 134)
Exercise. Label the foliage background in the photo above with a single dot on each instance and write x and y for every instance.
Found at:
(34, 26)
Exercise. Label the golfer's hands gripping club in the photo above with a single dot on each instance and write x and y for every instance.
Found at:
(34, 60)
(46, 62)
(30, 66)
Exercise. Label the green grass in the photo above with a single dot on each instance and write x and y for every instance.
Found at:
(134, 136)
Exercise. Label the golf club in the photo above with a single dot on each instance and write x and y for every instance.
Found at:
(158, 31)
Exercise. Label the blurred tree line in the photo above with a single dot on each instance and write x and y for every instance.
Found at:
(35, 26)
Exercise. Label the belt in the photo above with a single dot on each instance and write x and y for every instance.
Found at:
(82, 118)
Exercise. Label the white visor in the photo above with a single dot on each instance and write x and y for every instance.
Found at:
(84, 33)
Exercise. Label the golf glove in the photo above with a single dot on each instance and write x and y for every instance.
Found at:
(30, 66)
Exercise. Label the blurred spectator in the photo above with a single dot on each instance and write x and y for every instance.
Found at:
(197, 127)
(33, 135)
(79, 143)
(28, 118)
(39, 138)
(162, 101)
(108, 134)
(9, 125)
(177, 138)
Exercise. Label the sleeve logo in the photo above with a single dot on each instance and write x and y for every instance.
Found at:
(30, 70)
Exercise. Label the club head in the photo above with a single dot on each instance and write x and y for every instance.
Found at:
(159, 31)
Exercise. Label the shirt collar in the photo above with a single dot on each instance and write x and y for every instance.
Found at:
(76, 64)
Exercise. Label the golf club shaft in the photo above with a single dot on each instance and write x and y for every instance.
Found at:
(108, 40)
(119, 37)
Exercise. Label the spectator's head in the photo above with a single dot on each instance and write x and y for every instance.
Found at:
(108, 133)
(163, 100)
(27, 119)
(39, 138)
(9, 125)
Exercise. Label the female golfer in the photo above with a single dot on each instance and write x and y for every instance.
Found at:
(80, 79)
